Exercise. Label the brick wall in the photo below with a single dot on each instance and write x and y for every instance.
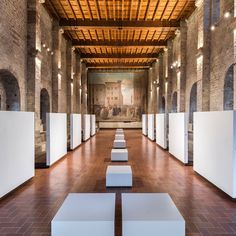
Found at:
(13, 42)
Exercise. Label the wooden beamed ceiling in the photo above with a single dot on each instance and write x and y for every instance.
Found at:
(119, 33)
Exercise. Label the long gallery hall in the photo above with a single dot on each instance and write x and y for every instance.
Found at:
(117, 117)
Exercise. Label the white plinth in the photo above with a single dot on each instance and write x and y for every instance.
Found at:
(151, 214)
(119, 130)
(151, 126)
(85, 214)
(119, 176)
(119, 144)
(144, 124)
(119, 137)
(119, 155)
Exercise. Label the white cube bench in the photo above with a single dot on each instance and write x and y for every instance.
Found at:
(119, 144)
(119, 130)
(119, 137)
(85, 214)
(150, 214)
(119, 154)
(119, 176)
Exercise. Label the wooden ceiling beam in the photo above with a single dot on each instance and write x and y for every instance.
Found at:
(117, 66)
(120, 55)
(83, 24)
(155, 43)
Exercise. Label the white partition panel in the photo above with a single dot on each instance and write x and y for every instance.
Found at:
(178, 136)
(93, 125)
(214, 148)
(144, 124)
(56, 137)
(75, 130)
(86, 127)
(16, 149)
(151, 126)
(161, 130)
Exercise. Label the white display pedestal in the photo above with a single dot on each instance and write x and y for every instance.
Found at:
(85, 214)
(161, 130)
(93, 124)
(119, 155)
(86, 124)
(17, 147)
(119, 144)
(151, 126)
(120, 130)
(56, 137)
(214, 154)
(119, 137)
(119, 176)
(75, 131)
(150, 214)
(178, 136)
(144, 125)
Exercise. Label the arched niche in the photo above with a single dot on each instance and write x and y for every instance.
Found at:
(229, 89)
(192, 109)
(174, 102)
(44, 106)
(9, 92)
(163, 105)
(192, 102)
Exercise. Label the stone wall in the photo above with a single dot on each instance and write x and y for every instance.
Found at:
(13, 42)
(204, 58)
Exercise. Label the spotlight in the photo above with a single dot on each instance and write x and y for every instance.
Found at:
(227, 14)
(213, 28)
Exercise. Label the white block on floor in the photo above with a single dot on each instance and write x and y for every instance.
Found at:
(150, 214)
(178, 136)
(119, 144)
(75, 130)
(119, 130)
(144, 124)
(85, 214)
(161, 130)
(119, 176)
(119, 137)
(214, 153)
(93, 124)
(56, 136)
(17, 146)
(151, 126)
(119, 154)
(86, 124)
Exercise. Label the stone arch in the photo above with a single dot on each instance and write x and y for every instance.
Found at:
(192, 109)
(192, 102)
(229, 89)
(9, 92)
(44, 106)
(174, 102)
(163, 105)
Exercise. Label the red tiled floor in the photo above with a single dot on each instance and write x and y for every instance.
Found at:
(30, 209)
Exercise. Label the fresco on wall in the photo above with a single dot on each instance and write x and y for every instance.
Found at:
(117, 96)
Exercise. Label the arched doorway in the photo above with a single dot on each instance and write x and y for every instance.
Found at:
(9, 92)
(174, 102)
(163, 105)
(192, 109)
(229, 89)
(44, 106)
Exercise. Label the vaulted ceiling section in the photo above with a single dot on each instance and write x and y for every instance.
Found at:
(120, 33)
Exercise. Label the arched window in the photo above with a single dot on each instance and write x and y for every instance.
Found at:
(163, 105)
(44, 106)
(192, 102)
(9, 92)
(174, 102)
(229, 89)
